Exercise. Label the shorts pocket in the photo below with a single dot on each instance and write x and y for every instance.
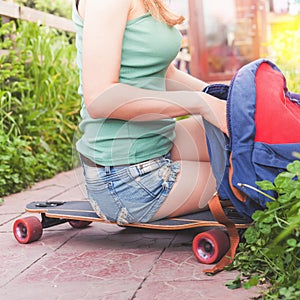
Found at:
(150, 184)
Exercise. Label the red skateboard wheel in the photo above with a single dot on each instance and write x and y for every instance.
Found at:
(79, 223)
(210, 246)
(27, 230)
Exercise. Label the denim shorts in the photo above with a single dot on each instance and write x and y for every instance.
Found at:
(132, 193)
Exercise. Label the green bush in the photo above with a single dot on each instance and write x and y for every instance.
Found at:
(60, 8)
(39, 104)
(271, 253)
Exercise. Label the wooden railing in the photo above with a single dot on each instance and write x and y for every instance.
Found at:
(11, 11)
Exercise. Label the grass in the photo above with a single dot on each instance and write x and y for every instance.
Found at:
(39, 105)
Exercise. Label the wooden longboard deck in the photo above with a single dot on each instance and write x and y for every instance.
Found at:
(83, 211)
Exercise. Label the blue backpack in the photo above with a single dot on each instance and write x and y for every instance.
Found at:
(264, 130)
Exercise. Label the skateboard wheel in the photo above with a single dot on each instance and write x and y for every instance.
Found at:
(79, 223)
(210, 246)
(27, 230)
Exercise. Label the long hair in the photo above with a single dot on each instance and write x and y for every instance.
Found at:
(158, 10)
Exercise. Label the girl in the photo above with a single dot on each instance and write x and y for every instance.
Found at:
(140, 164)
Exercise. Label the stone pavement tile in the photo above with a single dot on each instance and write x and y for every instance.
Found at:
(14, 258)
(190, 290)
(89, 266)
(75, 194)
(18, 257)
(123, 237)
(69, 184)
(175, 267)
(109, 262)
(103, 261)
(177, 275)
(16, 203)
(100, 262)
(6, 221)
(96, 290)
(63, 179)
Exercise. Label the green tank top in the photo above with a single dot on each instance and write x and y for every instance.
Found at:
(149, 46)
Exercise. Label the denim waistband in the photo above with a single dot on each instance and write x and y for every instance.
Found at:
(90, 163)
(139, 168)
(135, 169)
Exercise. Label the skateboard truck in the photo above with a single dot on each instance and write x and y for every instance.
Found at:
(49, 203)
(50, 222)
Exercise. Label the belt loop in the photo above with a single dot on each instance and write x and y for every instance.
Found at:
(138, 170)
(107, 170)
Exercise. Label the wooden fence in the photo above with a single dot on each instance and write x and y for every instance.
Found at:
(11, 11)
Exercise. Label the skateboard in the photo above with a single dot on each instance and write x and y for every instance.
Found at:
(208, 246)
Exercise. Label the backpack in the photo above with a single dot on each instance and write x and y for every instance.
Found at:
(263, 120)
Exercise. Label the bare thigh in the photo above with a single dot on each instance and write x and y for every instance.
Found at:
(195, 183)
(190, 143)
(194, 187)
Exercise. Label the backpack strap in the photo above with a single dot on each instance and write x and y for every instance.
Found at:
(237, 193)
(218, 213)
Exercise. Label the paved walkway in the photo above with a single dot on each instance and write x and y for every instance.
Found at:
(102, 261)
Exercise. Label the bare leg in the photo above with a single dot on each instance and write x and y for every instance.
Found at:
(190, 142)
(194, 187)
(195, 184)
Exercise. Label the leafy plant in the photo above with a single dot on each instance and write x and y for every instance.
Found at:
(271, 252)
(39, 105)
(61, 8)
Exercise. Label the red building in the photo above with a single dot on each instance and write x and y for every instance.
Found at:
(225, 35)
